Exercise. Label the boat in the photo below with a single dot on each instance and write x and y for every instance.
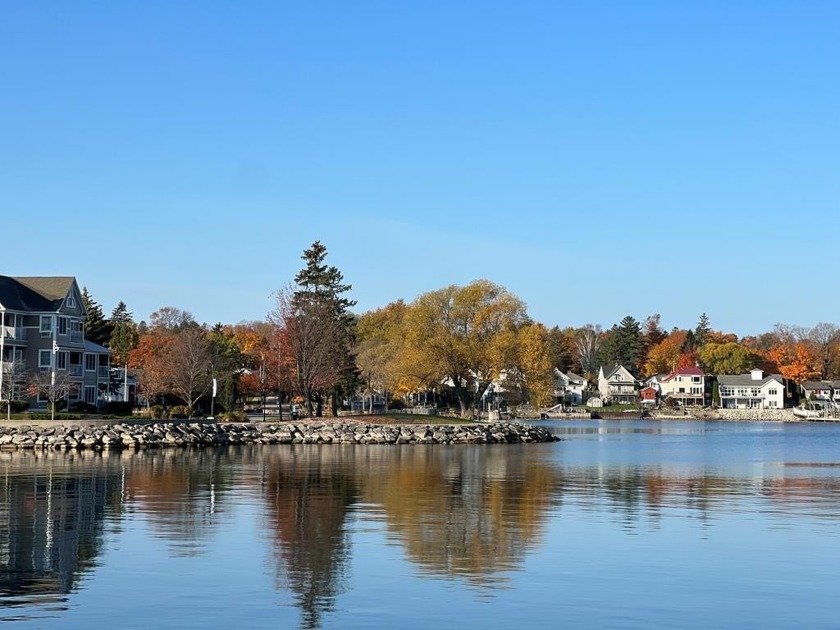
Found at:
(816, 410)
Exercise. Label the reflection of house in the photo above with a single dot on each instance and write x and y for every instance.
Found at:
(617, 385)
(42, 330)
(569, 387)
(752, 391)
(686, 386)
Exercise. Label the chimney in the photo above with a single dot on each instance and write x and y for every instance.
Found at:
(756, 374)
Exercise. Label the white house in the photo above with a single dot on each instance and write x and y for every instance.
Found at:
(617, 385)
(752, 391)
(569, 384)
(686, 386)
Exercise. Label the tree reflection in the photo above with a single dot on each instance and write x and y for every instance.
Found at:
(471, 513)
(308, 497)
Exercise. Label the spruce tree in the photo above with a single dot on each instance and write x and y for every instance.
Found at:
(320, 297)
(97, 328)
(701, 333)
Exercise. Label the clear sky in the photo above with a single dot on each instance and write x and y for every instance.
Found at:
(598, 159)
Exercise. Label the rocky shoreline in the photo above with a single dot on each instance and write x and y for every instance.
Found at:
(169, 434)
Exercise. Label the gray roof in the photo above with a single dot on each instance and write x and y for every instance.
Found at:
(746, 380)
(95, 347)
(609, 370)
(816, 385)
(574, 377)
(17, 296)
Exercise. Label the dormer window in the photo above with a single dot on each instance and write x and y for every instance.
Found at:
(71, 301)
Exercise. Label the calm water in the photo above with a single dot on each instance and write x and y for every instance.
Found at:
(626, 524)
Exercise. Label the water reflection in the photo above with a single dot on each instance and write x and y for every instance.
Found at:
(308, 494)
(470, 514)
(51, 517)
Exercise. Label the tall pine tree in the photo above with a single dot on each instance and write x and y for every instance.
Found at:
(320, 297)
(97, 328)
(124, 335)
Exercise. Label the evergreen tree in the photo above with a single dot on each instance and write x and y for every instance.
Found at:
(124, 337)
(701, 333)
(97, 328)
(319, 298)
(628, 344)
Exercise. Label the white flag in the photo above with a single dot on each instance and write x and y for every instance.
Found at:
(55, 346)
(214, 388)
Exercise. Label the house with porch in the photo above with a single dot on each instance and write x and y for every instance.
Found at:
(43, 349)
(617, 385)
(688, 387)
(752, 391)
(569, 387)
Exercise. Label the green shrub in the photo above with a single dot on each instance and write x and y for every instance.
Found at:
(18, 406)
(396, 405)
(58, 416)
(156, 412)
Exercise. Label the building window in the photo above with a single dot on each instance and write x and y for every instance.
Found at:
(695, 379)
(46, 325)
(62, 325)
(44, 358)
(90, 362)
(773, 392)
(61, 360)
(71, 301)
(90, 394)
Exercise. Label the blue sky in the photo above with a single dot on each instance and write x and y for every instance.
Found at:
(598, 159)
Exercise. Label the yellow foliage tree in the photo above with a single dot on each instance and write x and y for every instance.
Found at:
(535, 364)
(458, 334)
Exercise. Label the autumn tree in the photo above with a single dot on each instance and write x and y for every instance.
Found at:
(190, 361)
(170, 318)
(312, 336)
(535, 364)
(378, 345)
(459, 333)
(563, 350)
(798, 362)
(727, 358)
(665, 356)
(825, 342)
(150, 361)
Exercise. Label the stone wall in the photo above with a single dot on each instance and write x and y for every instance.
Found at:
(775, 415)
(157, 435)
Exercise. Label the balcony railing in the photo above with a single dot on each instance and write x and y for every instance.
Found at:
(12, 332)
(76, 336)
(76, 370)
(104, 372)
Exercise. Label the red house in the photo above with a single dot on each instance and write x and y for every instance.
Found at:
(648, 395)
